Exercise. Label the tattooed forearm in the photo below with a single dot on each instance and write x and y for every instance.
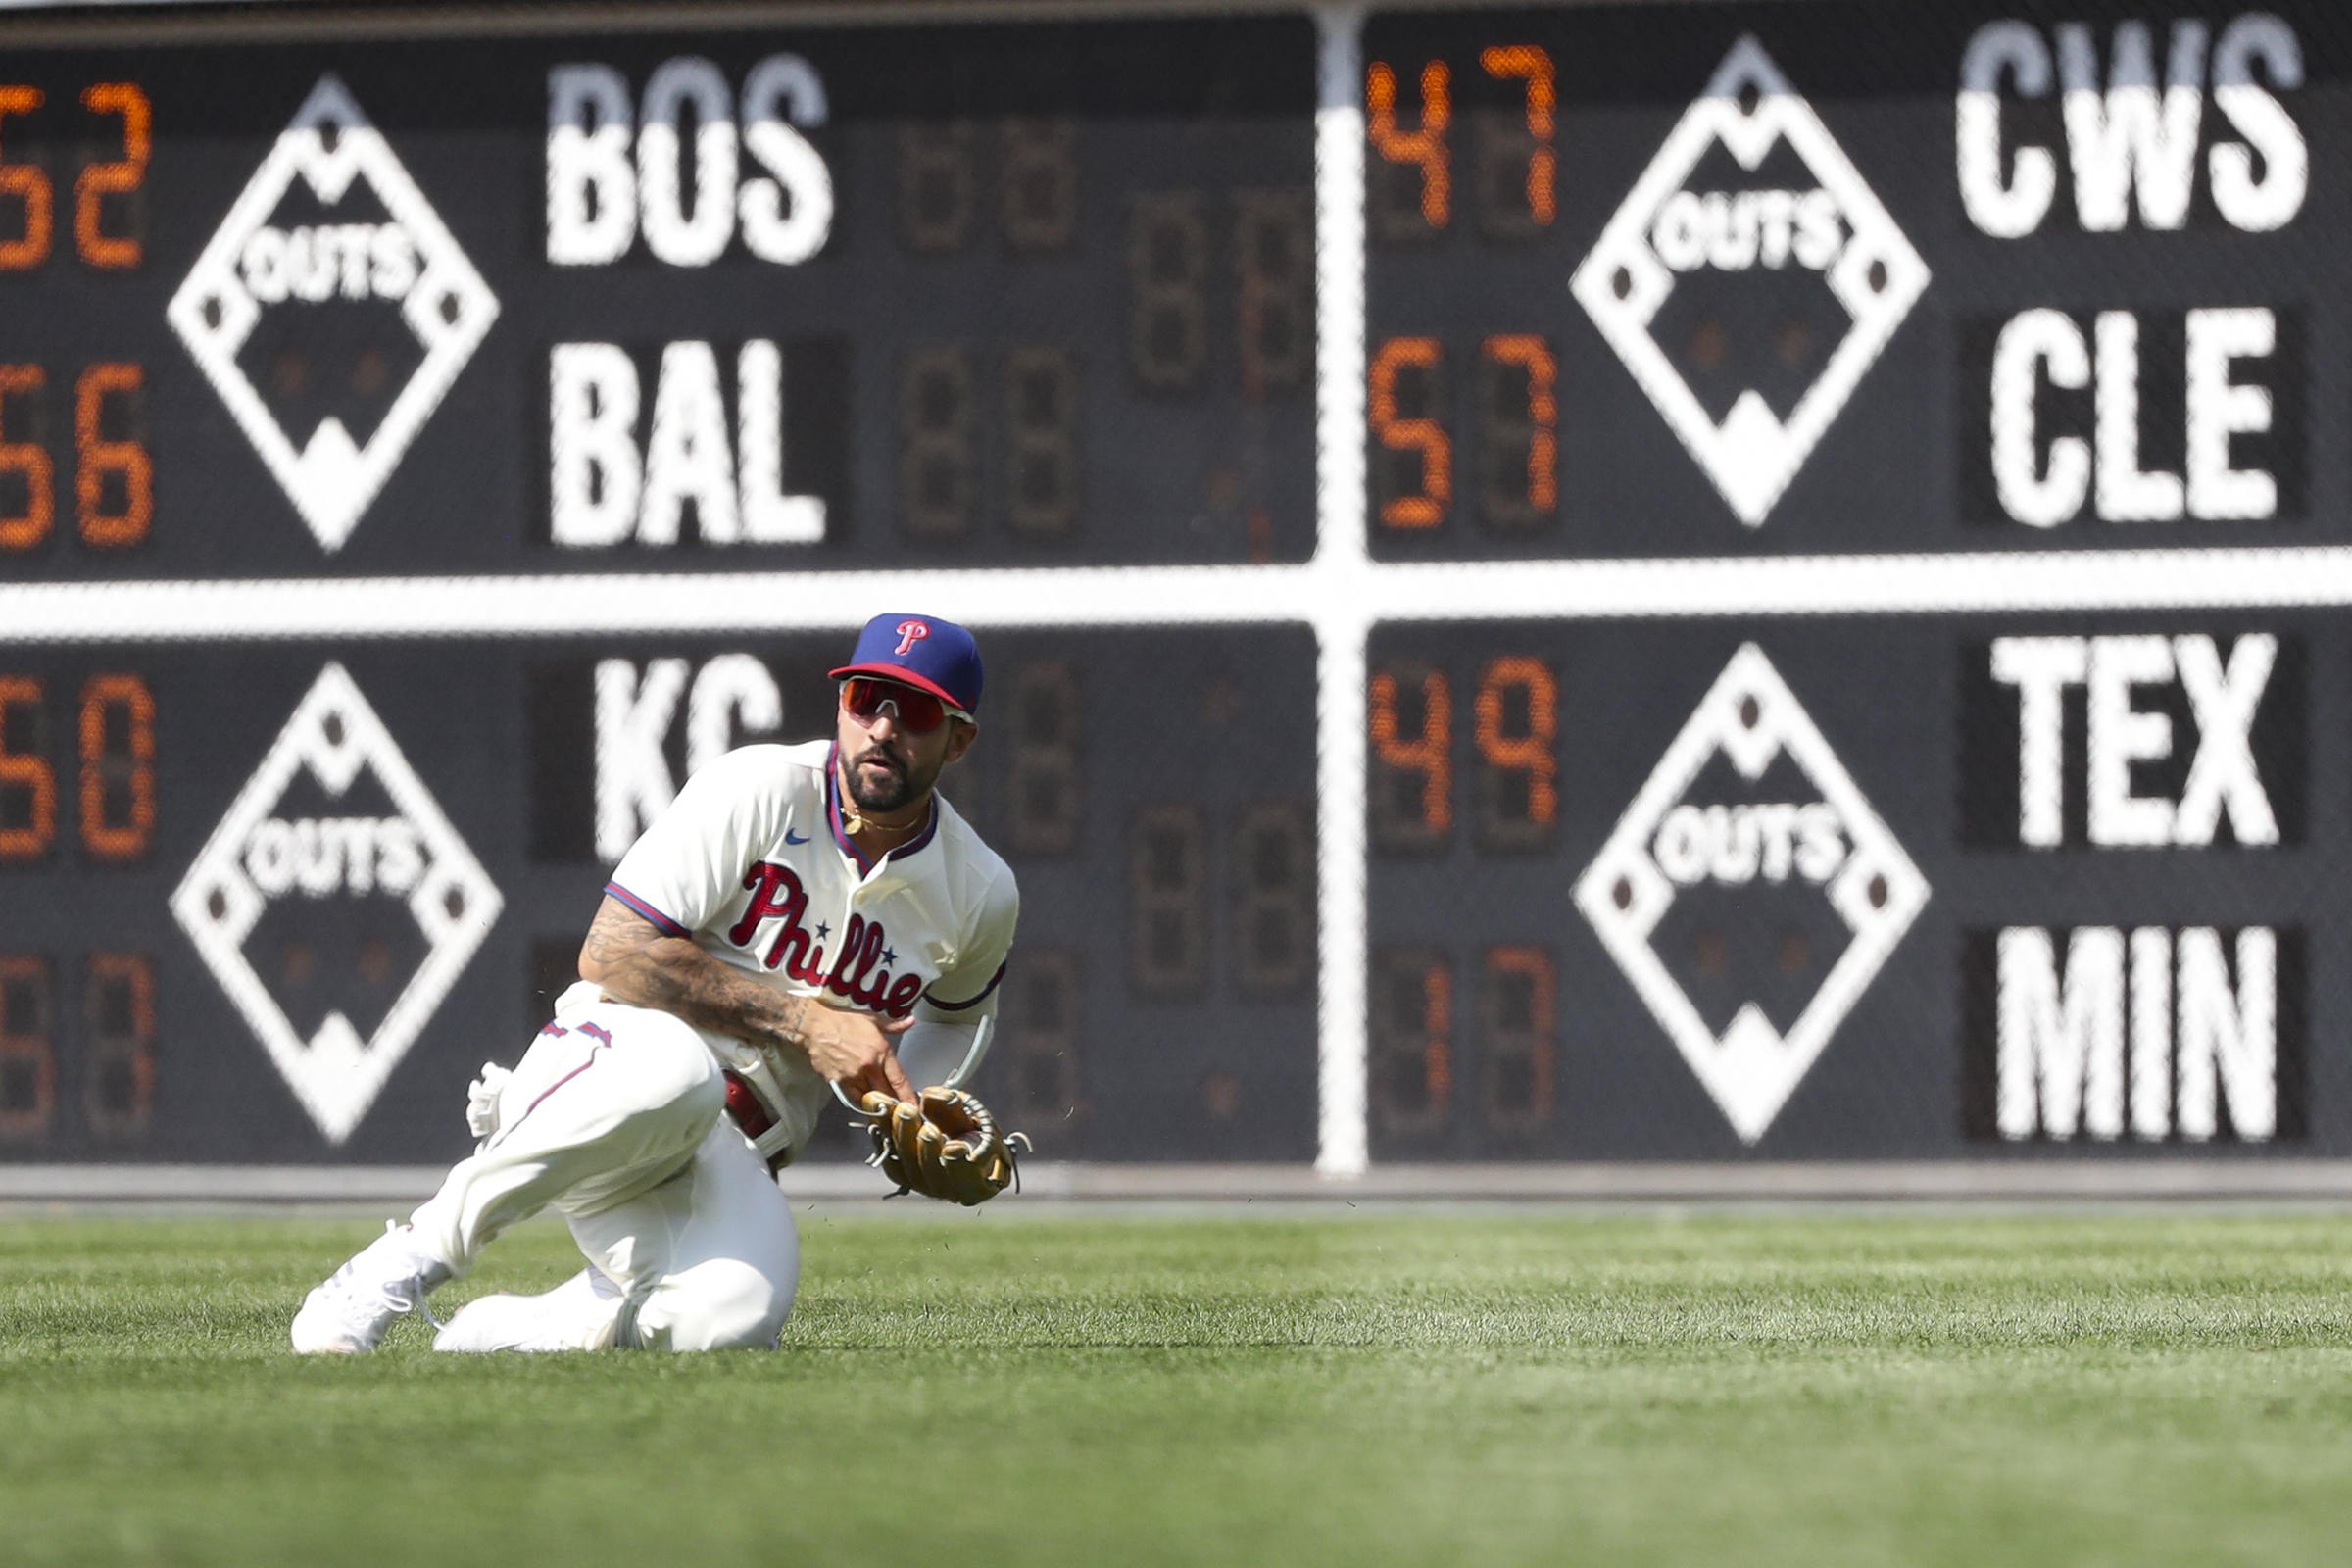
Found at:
(631, 960)
(635, 962)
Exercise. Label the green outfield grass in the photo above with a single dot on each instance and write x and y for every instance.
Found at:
(1372, 1388)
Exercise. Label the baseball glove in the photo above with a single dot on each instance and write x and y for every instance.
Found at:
(943, 1146)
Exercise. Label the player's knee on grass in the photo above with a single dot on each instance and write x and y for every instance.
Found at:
(722, 1305)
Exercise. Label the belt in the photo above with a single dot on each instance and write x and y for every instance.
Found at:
(752, 1114)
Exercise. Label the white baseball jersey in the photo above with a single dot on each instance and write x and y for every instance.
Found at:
(752, 863)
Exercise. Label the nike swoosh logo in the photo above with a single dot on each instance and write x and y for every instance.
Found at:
(790, 837)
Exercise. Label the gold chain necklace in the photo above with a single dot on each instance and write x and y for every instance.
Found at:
(854, 824)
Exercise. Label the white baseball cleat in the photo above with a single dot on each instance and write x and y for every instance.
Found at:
(348, 1313)
(577, 1315)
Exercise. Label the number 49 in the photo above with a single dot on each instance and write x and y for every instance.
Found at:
(1517, 727)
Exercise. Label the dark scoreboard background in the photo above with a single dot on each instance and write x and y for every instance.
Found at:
(1147, 841)
(1501, 1028)
(1061, 312)
(1550, 119)
(2115, 327)
(302, 298)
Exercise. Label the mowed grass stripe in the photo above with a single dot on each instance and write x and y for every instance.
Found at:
(1378, 1388)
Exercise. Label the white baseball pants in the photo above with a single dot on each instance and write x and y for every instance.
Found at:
(616, 1119)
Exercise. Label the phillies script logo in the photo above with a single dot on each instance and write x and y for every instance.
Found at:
(911, 632)
(777, 894)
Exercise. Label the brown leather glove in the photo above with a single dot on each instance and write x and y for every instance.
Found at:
(944, 1146)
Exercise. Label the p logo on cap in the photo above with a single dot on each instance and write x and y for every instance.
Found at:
(911, 632)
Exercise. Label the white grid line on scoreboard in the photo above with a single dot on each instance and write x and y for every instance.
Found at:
(2318, 576)
(1343, 626)
(1342, 594)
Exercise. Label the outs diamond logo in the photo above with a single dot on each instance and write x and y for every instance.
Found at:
(334, 284)
(336, 872)
(1751, 865)
(1751, 244)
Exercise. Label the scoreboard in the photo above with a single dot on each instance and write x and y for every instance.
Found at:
(1596, 582)
(271, 900)
(1871, 888)
(1975, 327)
(720, 305)
(917, 296)
(1850, 279)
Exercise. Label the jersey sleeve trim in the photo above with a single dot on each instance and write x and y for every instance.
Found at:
(995, 980)
(662, 922)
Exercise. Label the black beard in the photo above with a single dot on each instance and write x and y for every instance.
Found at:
(898, 792)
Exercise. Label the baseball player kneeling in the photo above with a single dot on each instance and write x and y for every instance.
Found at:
(803, 916)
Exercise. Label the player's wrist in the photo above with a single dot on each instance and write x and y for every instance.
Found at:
(787, 1027)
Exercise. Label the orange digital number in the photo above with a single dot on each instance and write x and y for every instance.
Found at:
(27, 1058)
(117, 762)
(1426, 146)
(1426, 508)
(1521, 1057)
(1542, 414)
(27, 830)
(1412, 1039)
(100, 458)
(1527, 61)
(1429, 754)
(26, 182)
(1436, 1022)
(118, 1028)
(121, 176)
(31, 526)
(1523, 747)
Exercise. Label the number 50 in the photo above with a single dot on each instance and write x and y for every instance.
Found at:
(117, 734)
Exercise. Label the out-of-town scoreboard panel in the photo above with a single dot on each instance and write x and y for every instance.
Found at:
(717, 303)
(1959, 400)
